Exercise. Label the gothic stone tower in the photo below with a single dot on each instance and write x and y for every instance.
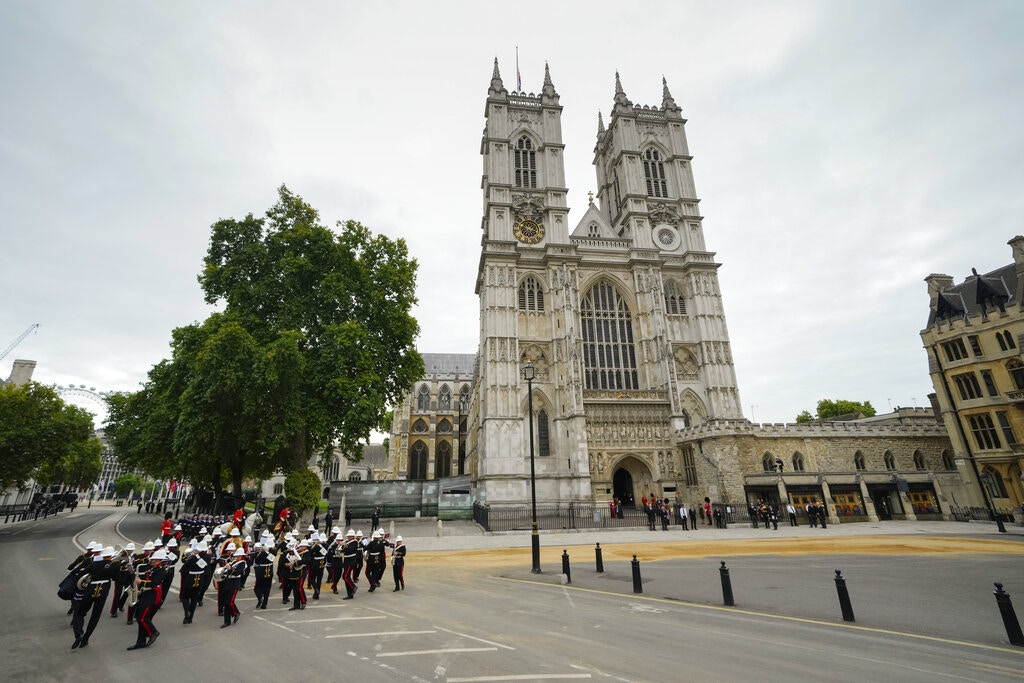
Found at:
(622, 316)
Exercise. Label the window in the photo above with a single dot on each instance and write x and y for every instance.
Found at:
(918, 461)
(543, 438)
(423, 398)
(689, 466)
(443, 460)
(858, 462)
(1002, 342)
(675, 302)
(531, 296)
(525, 163)
(798, 462)
(355, 476)
(890, 461)
(420, 425)
(955, 350)
(984, 431)
(1016, 369)
(444, 426)
(464, 397)
(1009, 340)
(444, 398)
(278, 489)
(654, 174)
(975, 344)
(593, 230)
(993, 481)
(768, 462)
(948, 463)
(609, 359)
(990, 385)
(1007, 430)
(418, 461)
(967, 385)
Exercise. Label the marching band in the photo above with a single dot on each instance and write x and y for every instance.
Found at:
(143, 578)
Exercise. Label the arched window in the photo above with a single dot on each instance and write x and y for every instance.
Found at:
(443, 460)
(420, 425)
(355, 476)
(609, 359)
(890, 461)
(675, 302)
(423, 398)
(418, 461)
(798, 462)
(444, 426)
(525, 163)
(531, 296)
(464, 397)
(543, 442)
(918, 461)
(858, 462)
(278, 489)
(993, 481)
(1001, 340)
(654, 174)
(768, 462)
(444, 398)
(1009, 340)
(1016, 369)
(948, 463)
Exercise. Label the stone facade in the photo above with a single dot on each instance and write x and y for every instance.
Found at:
(974, 339)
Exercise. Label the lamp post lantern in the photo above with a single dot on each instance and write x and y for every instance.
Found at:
(529, 372)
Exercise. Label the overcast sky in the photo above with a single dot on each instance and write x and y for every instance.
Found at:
(842, 152)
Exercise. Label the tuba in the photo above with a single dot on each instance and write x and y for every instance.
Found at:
(133, 590)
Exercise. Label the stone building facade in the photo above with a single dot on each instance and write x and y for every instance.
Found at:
(974, 339)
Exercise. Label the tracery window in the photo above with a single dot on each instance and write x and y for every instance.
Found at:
(675, 302)
(609, 357)
(798, 462)
(444, 426)
(531, 296)
(420, 425)
(525, 163)
(423, 398)
(984, 431)
(418, 461)
(543, 439)
(1016, 369)
(768, 462)
(654, 174)
(918, 461)
(890, 461)
(443, 460)
(444, 398)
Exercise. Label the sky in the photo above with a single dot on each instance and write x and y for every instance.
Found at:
(842, 152)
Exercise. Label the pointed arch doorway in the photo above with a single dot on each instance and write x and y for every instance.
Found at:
(622, 485)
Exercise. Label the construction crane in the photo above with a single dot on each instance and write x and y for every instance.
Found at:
(30, 330)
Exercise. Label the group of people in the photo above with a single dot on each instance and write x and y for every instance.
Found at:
(141, 578)
(768, 514)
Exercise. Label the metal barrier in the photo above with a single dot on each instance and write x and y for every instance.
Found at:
(978, 514)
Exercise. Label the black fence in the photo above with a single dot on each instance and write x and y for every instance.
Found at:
(574, 515)
(976, 514)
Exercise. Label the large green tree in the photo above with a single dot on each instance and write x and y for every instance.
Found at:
(828, 408)
(45, 438)
(315, 340)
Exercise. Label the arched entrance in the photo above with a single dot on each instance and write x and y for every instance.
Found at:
(631, 476)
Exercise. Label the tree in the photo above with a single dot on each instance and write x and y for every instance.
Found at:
(828, 408)
(344, 299)
(302, 487)
(42, 437)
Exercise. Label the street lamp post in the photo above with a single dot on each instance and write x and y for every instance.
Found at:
(529, 372)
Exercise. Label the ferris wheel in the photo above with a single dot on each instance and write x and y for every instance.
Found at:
(77, 392)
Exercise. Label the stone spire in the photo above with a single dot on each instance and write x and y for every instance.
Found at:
(497, 87)
(667, 103)
(549, 87)
(622, 102)
(600, 124)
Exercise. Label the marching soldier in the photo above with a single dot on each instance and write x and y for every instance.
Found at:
(336, 558)
(150, 583)
(193, 573)
(122, 579)
(235, 567)
(263, 568)
(375, 559)
(172, 560)
(317, 564)
(398, 564)
(351, 552)
(97, 585)
(361, 557)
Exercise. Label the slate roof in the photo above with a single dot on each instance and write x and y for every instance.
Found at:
(449, 363)
(976, 294)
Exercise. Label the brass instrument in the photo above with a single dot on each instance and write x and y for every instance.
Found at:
(133, 588)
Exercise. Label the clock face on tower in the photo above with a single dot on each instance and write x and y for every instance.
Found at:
(528, 231)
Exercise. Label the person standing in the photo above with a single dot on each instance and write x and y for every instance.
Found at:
(350, 564)
(398, 564)
(792, 513)
(193, 571)
(317, 564)
(263, 568)
(150, 585)
(298, 567)
(375, 519)
(682, 515)
(328, 520)
(375, 550)
(166, 528)
(236, 566)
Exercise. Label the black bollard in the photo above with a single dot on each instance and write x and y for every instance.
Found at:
(565, 566)
(844, 597)
(638, 586)
(600, 562)
(1013, 631)
(726, 585)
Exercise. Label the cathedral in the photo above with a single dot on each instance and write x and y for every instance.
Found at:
(604, 340)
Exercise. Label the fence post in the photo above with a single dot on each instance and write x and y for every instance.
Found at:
(1010, 622)
(638, 586)
(726, 585)
(844, 597)
(600, 561)
(565, 566)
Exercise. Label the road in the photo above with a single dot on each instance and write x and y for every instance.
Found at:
(920, 617)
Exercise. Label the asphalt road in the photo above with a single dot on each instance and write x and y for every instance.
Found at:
(919, 618)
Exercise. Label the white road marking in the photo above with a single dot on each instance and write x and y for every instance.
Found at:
(317, 621)
(507, 647)
(519, 677)
(378, 634)
(436, 652)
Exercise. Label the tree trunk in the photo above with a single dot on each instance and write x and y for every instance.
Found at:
(299, 451)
